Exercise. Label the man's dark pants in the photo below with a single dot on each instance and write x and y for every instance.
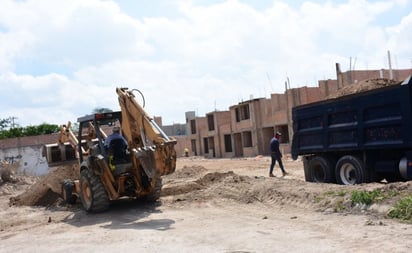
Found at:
(275, 158)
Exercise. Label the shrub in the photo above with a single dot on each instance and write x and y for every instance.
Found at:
(402, 210)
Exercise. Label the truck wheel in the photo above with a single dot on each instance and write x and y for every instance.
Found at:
(67, 192)
(320, 170)
(350, 170)
(92, 192)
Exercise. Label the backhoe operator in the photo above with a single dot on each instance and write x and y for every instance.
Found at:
(115, 136)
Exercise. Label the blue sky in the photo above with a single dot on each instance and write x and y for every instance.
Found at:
(61, 59)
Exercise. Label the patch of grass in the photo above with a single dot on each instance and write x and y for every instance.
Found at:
(329, 197)
(335, 194)
(364, 197)
(318, 198)
(339, 207)
(321, 199)
(327, 202)
(370, 197)
(402, 210)
(341, 193)
(329, 193)
(392, 193)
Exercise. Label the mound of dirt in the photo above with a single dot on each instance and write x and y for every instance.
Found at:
(229, 186)
(219, 177)
(178, 189)
(46, 191)
(17, 185)
(187, 171)
(362, 86)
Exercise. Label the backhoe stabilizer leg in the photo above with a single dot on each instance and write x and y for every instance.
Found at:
(147, 160)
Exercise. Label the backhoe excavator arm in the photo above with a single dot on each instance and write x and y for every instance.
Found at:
(153, 149)
(66, 135)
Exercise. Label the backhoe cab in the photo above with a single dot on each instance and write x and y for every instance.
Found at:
(111, 172)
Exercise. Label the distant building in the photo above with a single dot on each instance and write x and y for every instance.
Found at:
(246, 128)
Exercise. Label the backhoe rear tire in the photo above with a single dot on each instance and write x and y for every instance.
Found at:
(93, 195)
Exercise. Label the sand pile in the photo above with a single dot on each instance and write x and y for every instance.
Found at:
(187, 172)
(46, 191)
(362, 86)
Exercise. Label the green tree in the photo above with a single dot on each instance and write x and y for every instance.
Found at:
(15, 132)
(7, 123)
(29, 131)
(4, 123)
(47, 128)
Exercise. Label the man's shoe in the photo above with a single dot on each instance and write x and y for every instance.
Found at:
(284, 173)
(271, 175)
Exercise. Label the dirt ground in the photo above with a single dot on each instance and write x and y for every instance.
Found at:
(207, 205)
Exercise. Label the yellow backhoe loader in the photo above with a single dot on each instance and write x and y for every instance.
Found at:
(111, 172)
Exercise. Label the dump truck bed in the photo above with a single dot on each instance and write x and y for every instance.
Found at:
(377, 119)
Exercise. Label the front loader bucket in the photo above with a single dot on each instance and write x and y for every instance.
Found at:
(57, 154)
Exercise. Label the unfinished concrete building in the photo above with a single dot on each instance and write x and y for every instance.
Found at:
(207, 134)
(246, 129)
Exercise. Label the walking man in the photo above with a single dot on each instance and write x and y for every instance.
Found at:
(276, 155)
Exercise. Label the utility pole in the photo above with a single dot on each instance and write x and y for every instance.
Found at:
(288, 116)
(390, 65)
(12, 121)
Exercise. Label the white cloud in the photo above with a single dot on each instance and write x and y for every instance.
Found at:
(71, 33)
(61, 59)
(398, 37)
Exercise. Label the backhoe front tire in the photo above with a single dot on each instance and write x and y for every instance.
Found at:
(93, 195)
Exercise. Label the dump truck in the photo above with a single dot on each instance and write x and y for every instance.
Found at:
(112, 172)
(358, 138)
